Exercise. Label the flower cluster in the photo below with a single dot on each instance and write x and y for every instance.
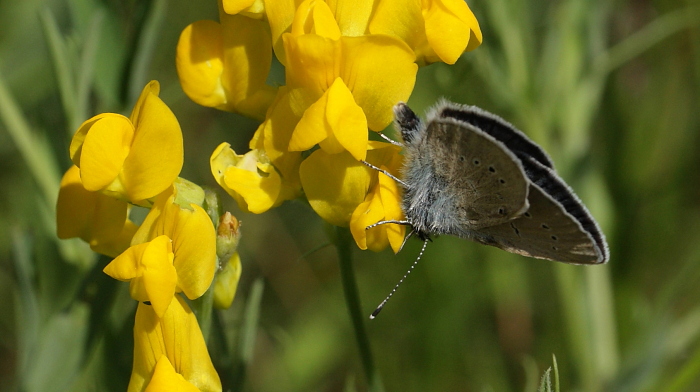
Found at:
(121, 163)
(347, 63)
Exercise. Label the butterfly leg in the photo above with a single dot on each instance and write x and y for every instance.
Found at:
(383, 171)
(397, 222)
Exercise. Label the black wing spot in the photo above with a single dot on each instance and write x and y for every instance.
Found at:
(554, 238)
(544, 226)
(491, 169)
(517, 231)
(527, 215)
(461, 159)
(555, 248)
(476, 162)
(502, 181)
(502, 211)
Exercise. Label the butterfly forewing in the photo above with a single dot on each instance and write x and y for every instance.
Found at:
(486, 184)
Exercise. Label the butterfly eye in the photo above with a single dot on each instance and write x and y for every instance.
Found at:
(527, 214)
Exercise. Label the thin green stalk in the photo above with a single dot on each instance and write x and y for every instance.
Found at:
(343, 243)
(650, 35)
(34, 147)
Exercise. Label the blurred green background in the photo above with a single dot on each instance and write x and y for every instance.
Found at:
(609, 88)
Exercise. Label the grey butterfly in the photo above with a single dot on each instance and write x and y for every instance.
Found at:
(471, 174)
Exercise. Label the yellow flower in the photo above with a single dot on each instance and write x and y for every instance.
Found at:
(224, 65)
(250, 179)
(437, 30)
(174, 250)
(175, 335)
(226, 282)
(149, 267)
(335, 122)
(383, 202)
(165, 378)
(99, 220)
(378, 70)
(132, 159)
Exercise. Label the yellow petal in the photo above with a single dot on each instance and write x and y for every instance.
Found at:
(90, 216)
(380, 71)
(312, 128)
(104, 151)
(346, 120)
(227, 283)
(150, 269)
(314, 17)
(280, 15)
(391, 204)
(177, 336)
(156, 155)
(166, 379)
(334, 184)
(152, 88)
(352, 16)
(199, 61)
(399, 18)
(367, 213)
(116, 245)
(127, 265)
(450, 28)
(313, 63)
(259, 189)
(194, 245)
(250, 8)
(247, 57)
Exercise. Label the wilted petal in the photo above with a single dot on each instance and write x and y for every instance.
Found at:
(227, 282)
(252, 182)
(177, 336)
(334, 184)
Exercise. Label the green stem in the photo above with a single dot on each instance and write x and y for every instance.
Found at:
(343, 243)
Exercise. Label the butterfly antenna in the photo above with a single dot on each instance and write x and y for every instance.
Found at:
(381, 305)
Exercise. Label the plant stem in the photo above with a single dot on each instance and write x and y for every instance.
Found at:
(343, 243)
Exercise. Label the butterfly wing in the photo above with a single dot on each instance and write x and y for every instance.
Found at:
(495, 126)
(485, 183)
(556, 227)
